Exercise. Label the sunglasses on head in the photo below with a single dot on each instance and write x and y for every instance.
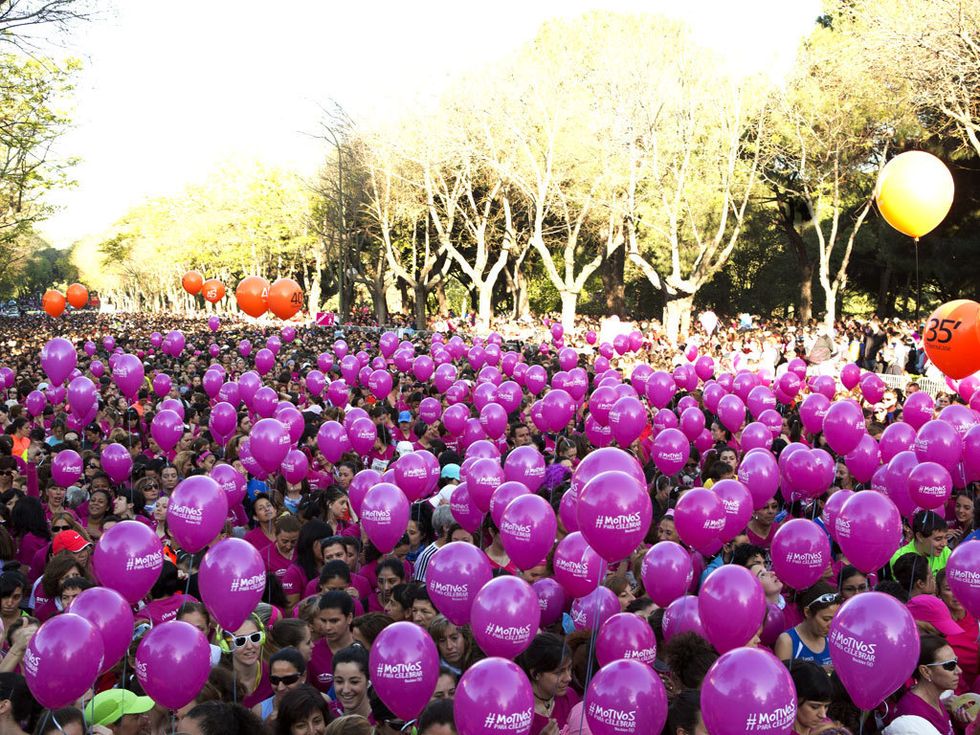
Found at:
(828, 599)
(947, 665)
(239, 641)
(287, 680)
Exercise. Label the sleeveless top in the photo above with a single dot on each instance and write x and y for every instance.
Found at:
(803, 652)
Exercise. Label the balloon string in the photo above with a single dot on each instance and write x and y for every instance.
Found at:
(918, 287)
(592, 642)
(864, 716)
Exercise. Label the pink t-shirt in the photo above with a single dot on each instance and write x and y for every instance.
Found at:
(165, 610)
(276, 562)
(258, 539)
(293, 581)
(913, 704)
(319, 670)
(29, 546)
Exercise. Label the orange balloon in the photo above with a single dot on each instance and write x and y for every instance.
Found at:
(53, 302)
(213, 290)
(285, 298)
(77, 295)
(253, 295)
(914, 192)
(952, 338)
(192, 282)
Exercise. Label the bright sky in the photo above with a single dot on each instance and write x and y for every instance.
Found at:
(172, 90)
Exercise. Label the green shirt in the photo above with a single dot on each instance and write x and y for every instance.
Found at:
(936, 563)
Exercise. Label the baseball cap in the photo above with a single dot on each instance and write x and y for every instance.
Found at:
(108, 707)
(404, 448)
(932, 610)
(71, 541)
(450, 471)
(404, 416)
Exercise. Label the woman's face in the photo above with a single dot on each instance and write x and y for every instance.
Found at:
(160, 509)
(11, 503)
(820, 621)
(98, 505)
(151, 491)
(340, 508)
(555, 683)
(284, 676)
(414, 535)
(810, 714)
(286, 543)
(10, 605)
(394, 610)
(717, 432)
(954, 605)
(56, 496)
(666, 530)
(169, 478)
(626, 597)
(964, 510)
(533, 574)
(351, 685)
(263, 510)
(461, 534)
(942, 678)
(853, 585)
(315, 724)
(729, 457)
(771, 585)
(452, 646)
(767, 513)
(249, 653)
(120, 507)
(445, 687)
(197, 620)
(344, 476)
(387, 580)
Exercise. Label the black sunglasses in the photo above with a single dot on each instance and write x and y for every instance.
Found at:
(288, 679)
(56, 529)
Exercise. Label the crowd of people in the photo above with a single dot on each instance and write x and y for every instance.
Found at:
(300, 664)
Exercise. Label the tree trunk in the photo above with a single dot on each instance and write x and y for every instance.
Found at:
(380, 301)
(484, 306)
(420, 297)
(613, 269)
(798, 245)
(830, 299)
(884, 286)
(677, 316)
(569, 302)
(316, 293)
(443, 304)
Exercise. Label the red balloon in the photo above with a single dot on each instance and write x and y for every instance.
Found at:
(252, 295)
(285, 298)
(213, 290)
(192, 282)
(53, 303)
(77, 295)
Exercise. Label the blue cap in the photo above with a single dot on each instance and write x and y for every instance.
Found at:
(404, 416)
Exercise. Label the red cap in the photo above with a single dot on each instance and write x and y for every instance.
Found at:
(71, 541)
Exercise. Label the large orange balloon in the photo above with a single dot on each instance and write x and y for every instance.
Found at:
(952, 338)
(253, 295)
(77, 295)
(285, 298)
(914, 192)
(213, 290)
(53, 302)
(192, 282)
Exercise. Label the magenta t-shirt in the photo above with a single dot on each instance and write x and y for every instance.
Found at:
(276, 562)
(165, 610)
(563, 707)
(258, 539)
(319, 671)
(29, 546)
(913, 704)
(293, 581)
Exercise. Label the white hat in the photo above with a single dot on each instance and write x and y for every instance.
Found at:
(911, 725)
(404, 448)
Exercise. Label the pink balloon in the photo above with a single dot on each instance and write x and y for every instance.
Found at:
(505, 616)
(231, 482)
(930, 485)
(58, 359)
(528, 529)
(671, 450)
(667, 572)
(614, 514)
(196, 513)
(463, 510)
(362, 434)
(404, 668)
(502, 496)
(568, 511)
(869, 530)
(937, 441)
(864, 459)
(384, 516)
(66, 467)
(269, 442)
(62, 660)
(577, 566)
(592, 610)
(732, 607)
(111, 616)
(873, 632)
(626, 697)
(737, 503)
(731, 412)
(128, 558)
(872, 387)
(627, 419)
(167, 428)
(800, 553)
(813, 411)
(759, 473)
(917, 409)
(748, 690)
(699, 518)
(963, 576)
(551, 600)
(456, 572)
(525, 465)
(483, 478)
(850, 375)
(493, 696)
(843, 426)
(173, 646)
(82, 395)
(660, 388)
(116, 462)
(412, 476)
(682, 616)
(626, 636)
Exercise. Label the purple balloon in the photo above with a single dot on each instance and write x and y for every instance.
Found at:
(456, 572)
(732, 607)
(404, 668)
(128, 558)
(269, 441)
(295, 466)
(873, 632)
(58, 359)
(961, 573)
(843, 426)
(917, 409)
(505, 616)
(937, 441)
(111, 616)
(384, 515)
(626, 636)
(66, 467)
(748, 690)
(627, 419)
(577, 566)
(35, 403)
(625, 697)
(62, 660)
(864, 459)
(82, 395)
(869, 530)
(614, 514)
(671, 450)
(167, 428)
(265, 360)
(463, 510)
(700, 518)
(173, 646)
(223, 422)
(493, 696)
(800, 553)
(558, 408)
(551, 600)
(117, 463)
(528, 529)
(737, 502)
(731, 412)
(592, 610)
(196, 513)
(667, 572)
(930, 485)
(813, 411)
(682, 616)
(526, 466)
(483, 478)
(232, 580)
